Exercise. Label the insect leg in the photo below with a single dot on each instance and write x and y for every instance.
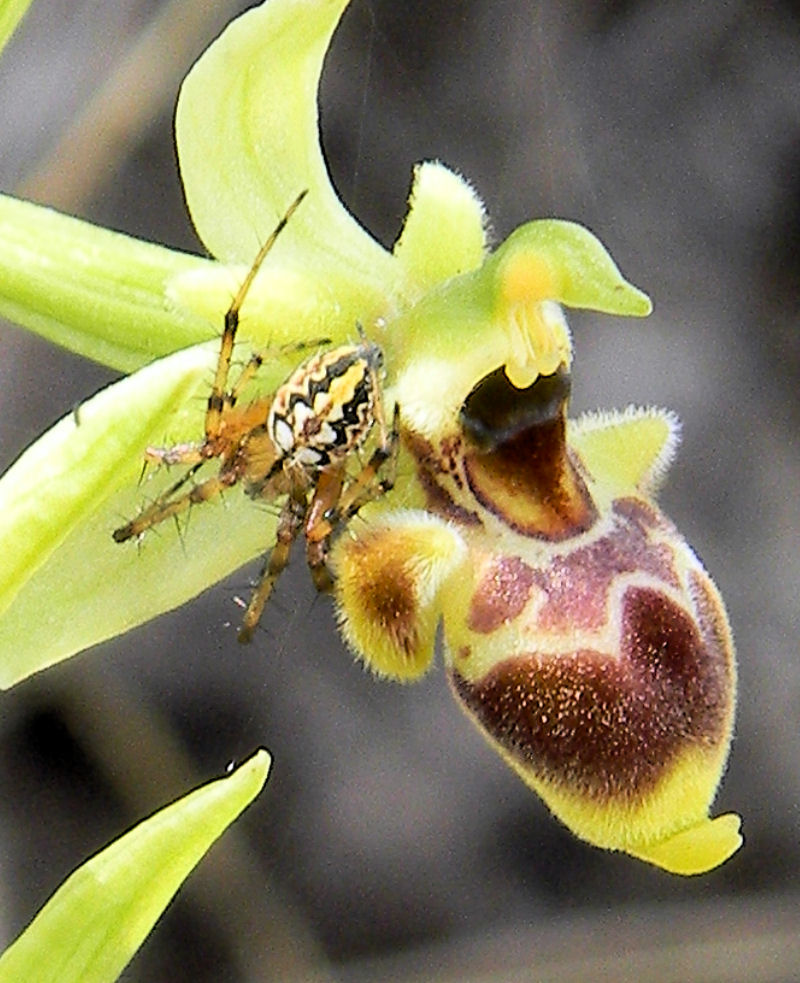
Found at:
(289, 524)
(165, 506)
(219, 399)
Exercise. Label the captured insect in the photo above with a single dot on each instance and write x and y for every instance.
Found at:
(296, 442)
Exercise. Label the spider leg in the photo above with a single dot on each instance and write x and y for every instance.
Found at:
(365, 487)
(177, 454)
(257, 359)
(335, 501)
(289, 525)
(166, 506)
(219, 398)
(318, 527)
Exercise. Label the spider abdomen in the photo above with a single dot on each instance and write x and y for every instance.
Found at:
(326, 408)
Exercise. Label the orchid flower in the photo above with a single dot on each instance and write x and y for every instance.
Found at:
(581, 633)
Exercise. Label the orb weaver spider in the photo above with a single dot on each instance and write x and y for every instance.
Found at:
(296, 442)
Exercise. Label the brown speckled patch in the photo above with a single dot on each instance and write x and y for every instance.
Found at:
(604, 727)
(501, 595)
(430, 467)
(577, 584)
(387, 596)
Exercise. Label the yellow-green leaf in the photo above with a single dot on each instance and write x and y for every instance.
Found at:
(98, 918)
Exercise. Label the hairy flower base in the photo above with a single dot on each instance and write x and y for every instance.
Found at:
(583, 636)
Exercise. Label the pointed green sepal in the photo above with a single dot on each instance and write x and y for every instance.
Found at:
(94, 291)
(66, 584)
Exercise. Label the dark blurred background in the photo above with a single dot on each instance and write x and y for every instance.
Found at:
(390, 842)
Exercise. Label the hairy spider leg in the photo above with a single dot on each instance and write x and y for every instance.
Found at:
(327, 509)
(318, 528)
(215, 444)
(290, 522)
(166, 506)
(189, 453)
(364, 487)
(256, 360)
(220, 398)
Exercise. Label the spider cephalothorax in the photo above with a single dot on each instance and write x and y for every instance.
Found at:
(297, 442)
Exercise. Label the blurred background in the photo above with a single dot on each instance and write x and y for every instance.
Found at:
(390, 842)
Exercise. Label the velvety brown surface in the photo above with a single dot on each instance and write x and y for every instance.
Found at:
(608, 726)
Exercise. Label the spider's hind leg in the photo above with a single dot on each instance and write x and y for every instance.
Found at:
(290, 523)
(337, 499)
(319, 528)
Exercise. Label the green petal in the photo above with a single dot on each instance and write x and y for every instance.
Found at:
(98, 918)
(284, 306)
(97, 292)
(505, 313)
(247, 133)
(445, 231)
(64, 584)
(11, 13)
(444, 235)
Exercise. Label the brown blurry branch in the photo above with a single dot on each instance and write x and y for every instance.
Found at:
(143, 86)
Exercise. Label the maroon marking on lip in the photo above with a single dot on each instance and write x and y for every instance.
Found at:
(712, 619)
(577, 584)
(429, 466)
(604, 727)
(530, 484)
(501, 595)
(638, 512)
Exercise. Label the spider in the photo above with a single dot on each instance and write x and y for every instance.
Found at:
(296, 442)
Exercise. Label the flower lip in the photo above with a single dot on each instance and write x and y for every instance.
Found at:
(496, 411)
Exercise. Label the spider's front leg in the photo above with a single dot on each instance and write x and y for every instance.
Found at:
(221, 398)
(167, 507)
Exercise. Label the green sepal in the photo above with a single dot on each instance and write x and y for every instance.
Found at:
(94, 291)
(65, 585)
